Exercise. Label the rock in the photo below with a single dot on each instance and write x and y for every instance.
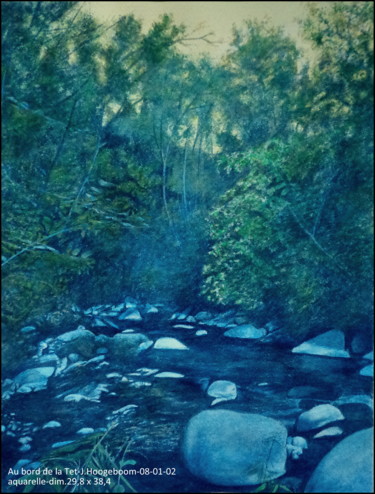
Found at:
(101, 350)
(174, 375)
(183, 326)
(151, 309)
(191, 319)
(52, 424)
(329, 432)
(131, 315)
(365, 399)
(295, 446)
(369, 356)
(233, 449)
(33, 379)
(222, 391)
(28, 330)
(113, 375)
(123, 346)
(201, 332)
(102, 340)
(81, 341)
(85, 430)
(130, 303)
(246, 331)
(348, 467)
(203, 316)
(24, 440)
(24, 448)
(329, 344)
(360, 343)
(166, 343)
(318, 416)
(91, 392)
(367, 371)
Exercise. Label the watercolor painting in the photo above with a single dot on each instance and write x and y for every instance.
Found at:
(187, 247)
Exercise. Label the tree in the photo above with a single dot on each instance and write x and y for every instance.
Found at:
(292, 239)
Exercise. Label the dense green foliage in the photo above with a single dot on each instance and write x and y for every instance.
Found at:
(293, 237)
(129, 168)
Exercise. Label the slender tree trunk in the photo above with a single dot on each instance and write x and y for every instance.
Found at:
(184, 197)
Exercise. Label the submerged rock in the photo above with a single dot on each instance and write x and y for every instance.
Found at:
(233, 449)
(245, 331)
(329, 344)
(348, 467)
(318, 416)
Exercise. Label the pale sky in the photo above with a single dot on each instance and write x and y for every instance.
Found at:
(206, 17)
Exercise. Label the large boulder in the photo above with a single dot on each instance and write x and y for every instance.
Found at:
(348, 467)
(81, 341)
(128, 345)
(318, 416)
(230, 448)
(33, 379)
(329, 344)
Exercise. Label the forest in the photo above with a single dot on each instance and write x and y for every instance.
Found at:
(130, 169)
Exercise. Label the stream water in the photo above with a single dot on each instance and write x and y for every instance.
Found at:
(264, 374)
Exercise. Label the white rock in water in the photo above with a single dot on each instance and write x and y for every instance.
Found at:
(201, 332)
(329, 432)
(85, 430)
(318, 416)
(52, 424)
(131, 315)
(367, 371)
(329, 344)
(167, 343)
(369, 356)
(222, 391)
(183, 326)
(174, 375)
(234, 449)
(247, 331)
(130, 303)
(125, 410)
(150, 309)
(113, 375)
(348, 467)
